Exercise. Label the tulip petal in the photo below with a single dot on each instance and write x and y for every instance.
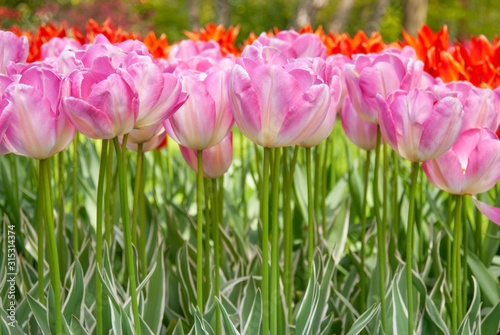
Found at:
(245, 104)
(445, 172)
(492, 213)
(483, 168)
(30, 133)
(89, 120)
(441, 129)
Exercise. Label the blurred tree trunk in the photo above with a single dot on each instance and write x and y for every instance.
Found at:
(378, 14)
(307, 11)
(341, 16)
(193, 13)
(415, 15)
(222, 10)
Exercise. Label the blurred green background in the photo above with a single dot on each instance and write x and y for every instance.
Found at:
(463, 17)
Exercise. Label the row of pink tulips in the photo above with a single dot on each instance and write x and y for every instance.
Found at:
(283, 91)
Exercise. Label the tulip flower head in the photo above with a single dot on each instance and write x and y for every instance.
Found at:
(276, 105)
(38, 127)
(55, 47)
(12, 49)
(294, 45)
(419, 126)
(371, 75)
(206, 117)
(470, 167)
(103, 103)
(481, 105)
(362, 133)
(216, 159)
(152, 143)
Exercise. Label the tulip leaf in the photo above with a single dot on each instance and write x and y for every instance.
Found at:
(486, 281)
(364, 319)
(41, 315)
(74, 300)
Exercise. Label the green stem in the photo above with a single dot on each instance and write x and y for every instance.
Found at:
(129, 257)
(409, 244)
(264, 204)
(317, 178)
(456, 302)
(108, 209)
(449, 253)
(323, 186)
(478, 229)
(98, 233)
(215, 234)
(50, 228)
(287, 239)
(76, 243)
(275, 241)
(207, 183)
(310, 220)
(332, 157)
(380, 231)
(60, 214)
(142, 225)
(39, 220)
(199, 245)
(464, 260)
(362, 278)
(137, 186)
(395, 202)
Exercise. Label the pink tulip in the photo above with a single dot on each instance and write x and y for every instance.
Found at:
(12, 49)
(362, 133)
(137, 136)
(103, 104)
(146, 134)
(38, 128)
(216, 159)
(294, 45)
(419, 126)
(274, 105)
(187, 49)
(160, 94)
(339, 62)
(480, 104)
(206, 118)
(370, 75)
(56, 45)
(330, 76)
(470, 167)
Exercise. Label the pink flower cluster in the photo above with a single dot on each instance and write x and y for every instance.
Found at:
(282, 91)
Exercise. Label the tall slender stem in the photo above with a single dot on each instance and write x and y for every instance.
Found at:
(142, 225)
(265, 240)
(39, 221)
(310, 219)
(380, 231)
(199, 245)
(137, 186)
(215, 236)
(51, 239)
(456, 302)
(287, 232)
(323, 186)
(275, 241)
(395, 198)
(243, 179)
(478, 218)
(409, 244)
(449, 252)
(76, 246)
(362, 278)
(108, 209)
(60, 214)
(207, 184)
(98, 233)
(122, 172)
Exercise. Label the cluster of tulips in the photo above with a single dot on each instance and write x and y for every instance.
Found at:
(282, 91)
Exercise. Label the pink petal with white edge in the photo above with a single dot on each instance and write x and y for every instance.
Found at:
(87, 119)
(441, 129)
(445, 173)
(30, 134)
(492, 213)
(245, 104)
(193, 124)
